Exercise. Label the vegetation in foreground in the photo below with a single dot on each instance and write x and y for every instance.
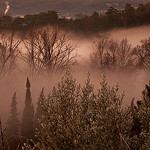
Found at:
(81, 117)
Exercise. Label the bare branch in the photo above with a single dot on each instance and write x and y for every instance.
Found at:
(48, 50)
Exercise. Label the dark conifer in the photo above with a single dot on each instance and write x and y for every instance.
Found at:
(27, 128)
(13, 121)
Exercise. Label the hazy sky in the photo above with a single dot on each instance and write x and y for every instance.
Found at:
(19, 7)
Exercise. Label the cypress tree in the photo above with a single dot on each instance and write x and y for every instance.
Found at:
(27, 128)
(13, 121)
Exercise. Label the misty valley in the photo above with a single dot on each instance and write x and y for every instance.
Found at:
(75, 83)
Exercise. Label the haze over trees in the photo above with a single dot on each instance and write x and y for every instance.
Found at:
(36, 51)
(8, 52)
(143, 54)
(71, 115)
(48, 50)
(112, 55)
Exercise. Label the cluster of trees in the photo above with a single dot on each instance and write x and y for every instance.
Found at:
(80, 117)
(109, 54)
(49, 50)
(113, 17)
(41, 49)
(75, 117)
(28, 21)
(17, 132)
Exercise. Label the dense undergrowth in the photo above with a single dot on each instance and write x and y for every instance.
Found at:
(81, 117)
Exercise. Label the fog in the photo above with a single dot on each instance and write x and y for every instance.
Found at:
(131, 83)
(134, 35)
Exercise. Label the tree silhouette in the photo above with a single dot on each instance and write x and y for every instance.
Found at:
(48, 50)
(13, 125)
(129, 13)
(113, 55)
(27, 128)
(142, 53)
(13, 121)
(8, 52)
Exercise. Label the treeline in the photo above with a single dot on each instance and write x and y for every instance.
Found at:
(47, 50)
(113, 17)
(16, 131)
(112, 55)
(80, 117)
(35, 52)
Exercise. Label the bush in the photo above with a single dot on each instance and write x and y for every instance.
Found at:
(76, 117)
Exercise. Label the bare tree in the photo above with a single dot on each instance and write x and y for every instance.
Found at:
(8, 51)
(143, 55)
(110, 54)
(100, 48)
(124, 55)
(48, 49)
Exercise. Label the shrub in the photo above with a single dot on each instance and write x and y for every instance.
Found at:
(80, 117)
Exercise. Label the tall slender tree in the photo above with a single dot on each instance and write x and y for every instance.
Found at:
(13, 126)
(13, 121)
(27, 128)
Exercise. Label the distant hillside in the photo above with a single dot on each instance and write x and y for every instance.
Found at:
(128, 16)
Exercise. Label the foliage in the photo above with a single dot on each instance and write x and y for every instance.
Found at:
(140, 137)
(144, 116)
(78, 117)
(126, 16)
